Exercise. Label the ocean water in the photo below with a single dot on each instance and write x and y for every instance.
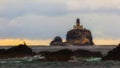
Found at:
(40, 64)
(31, 62)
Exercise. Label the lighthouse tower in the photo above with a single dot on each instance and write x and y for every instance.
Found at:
(78, 26)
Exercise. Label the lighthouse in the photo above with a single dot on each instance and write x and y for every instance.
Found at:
(78, 26)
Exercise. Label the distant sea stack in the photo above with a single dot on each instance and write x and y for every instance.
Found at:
(56, 41)
(77, 36)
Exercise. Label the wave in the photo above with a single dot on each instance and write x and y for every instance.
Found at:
(19, 60)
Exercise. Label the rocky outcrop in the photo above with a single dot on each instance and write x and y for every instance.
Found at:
(57, 41)
(79, 37)
(113, 54)
(21, 50)
(62, 55)
(66, 54)
(86, 53)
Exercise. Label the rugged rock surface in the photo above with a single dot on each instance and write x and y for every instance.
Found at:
(56, 41)
(79, 37)
(62, 55)
(2, 51)
(21, 50)
(113, 54)
(86, 53)
(66, 54)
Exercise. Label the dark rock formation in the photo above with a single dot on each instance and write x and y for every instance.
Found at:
(79, 37)
(56, 41)
(113, 54)
(62, 55)
(66, 54)
(21, 50)
(86, 53)
(2, 52)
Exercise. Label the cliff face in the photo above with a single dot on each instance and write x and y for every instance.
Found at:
(79, 37)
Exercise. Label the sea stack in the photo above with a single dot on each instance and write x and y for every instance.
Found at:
(79, 35)
(56, 41)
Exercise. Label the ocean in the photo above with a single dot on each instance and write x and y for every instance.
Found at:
(30, 62)
(38, 64)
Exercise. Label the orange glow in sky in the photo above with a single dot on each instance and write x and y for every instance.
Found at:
(106, 41)
(12, 42)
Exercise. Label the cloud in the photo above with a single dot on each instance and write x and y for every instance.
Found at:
(35, 27)
(12, 9)
(92, 4)
(38, 19)
(101, 25)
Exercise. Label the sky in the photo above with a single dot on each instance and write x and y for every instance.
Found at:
(39, 21)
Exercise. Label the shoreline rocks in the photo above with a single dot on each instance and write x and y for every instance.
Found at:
(86, 53)
(66, 54)
(61, 55)
(21, 50)
(113, 54)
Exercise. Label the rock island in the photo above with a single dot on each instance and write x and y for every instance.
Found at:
(76, 36)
